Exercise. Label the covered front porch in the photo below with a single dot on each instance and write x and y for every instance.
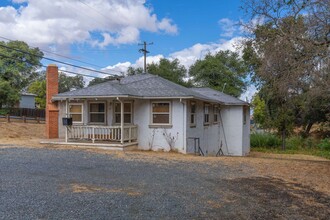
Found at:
(105, 137)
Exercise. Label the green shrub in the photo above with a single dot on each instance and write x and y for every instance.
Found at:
(295, 142)
(4, 111)
(324, 144)
(264, 140)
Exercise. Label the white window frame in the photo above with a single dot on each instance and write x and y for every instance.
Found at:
(105, 112)
(74, 113)
(169, 114)
(216, 112)
(114, 112)
(206, 106)
(193, 114)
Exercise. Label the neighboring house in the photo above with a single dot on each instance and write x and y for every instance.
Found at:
(149, 112)
(27, 100)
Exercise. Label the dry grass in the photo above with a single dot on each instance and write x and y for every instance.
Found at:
(85, 188)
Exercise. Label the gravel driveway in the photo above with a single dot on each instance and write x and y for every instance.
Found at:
(77, 184)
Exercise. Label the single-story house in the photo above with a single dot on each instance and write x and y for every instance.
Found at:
(27, 100)
(151, 113)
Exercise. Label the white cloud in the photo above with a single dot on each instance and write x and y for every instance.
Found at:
(63, 22)
(150, 59)
(189, 55)
(118, 68)
(249, 93)
(228, 27)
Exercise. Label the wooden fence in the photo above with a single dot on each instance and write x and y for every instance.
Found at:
(23, 114)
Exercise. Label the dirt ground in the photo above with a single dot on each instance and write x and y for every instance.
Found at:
(309, 171)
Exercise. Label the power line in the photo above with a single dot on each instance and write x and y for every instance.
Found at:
(65, 71)
(58, 54)
(94, 9)
(145, 51)
(65, 63)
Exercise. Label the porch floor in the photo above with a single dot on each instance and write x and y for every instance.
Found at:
(98, 144)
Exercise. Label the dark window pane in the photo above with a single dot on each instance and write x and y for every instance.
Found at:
(127, 118)
(117, 118)
(192, 119)
(97, 107)
(127, 107)
(193, 107)
(161, 119)
(75, 108)
(117, 107)
(76, 117)
(161, 107)
(97, 118)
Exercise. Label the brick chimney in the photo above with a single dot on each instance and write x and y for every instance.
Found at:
(51, 108)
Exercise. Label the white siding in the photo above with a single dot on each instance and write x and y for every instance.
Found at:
(246, 133)
(209, 135)
(153, 138)
(231, 131)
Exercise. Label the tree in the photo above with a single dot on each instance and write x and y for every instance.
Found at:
(224, 71)
(170, 70)
(39, 89)
(19, 63)
(289, 57)
(134, 71)
(259, 110)
(102, 80)
(9, 96)
(68, 83)
(18, 67)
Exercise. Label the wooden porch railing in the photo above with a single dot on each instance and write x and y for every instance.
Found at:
(103, 133)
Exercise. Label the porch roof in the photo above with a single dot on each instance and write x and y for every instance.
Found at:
(143, 86)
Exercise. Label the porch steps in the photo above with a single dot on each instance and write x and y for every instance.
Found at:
(104, 146)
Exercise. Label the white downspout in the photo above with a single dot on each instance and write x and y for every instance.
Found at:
(121, 120)
(66, 115)
(184, 141)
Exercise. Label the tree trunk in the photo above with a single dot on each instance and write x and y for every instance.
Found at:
(308, 128)
(283, 139)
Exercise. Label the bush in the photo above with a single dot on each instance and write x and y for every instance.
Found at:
(265, 140)
(324, 144)
(4, 111)
(295, 142)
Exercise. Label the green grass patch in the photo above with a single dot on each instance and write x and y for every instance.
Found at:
(271, 143)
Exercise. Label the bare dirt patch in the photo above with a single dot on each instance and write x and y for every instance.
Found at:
(86, 188)
(21, 133)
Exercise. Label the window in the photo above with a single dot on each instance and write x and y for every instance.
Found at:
(127, 112)
(192, 113)
(215, 113)
(160, 113)
(97, 112)
(206, 114)
(76, 112)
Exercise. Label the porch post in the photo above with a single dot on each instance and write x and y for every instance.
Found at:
(121, 120)
(66, 115)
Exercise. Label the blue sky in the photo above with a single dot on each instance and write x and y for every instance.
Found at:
(106, 33)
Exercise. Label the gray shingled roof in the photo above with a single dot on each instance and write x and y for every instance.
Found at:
(142, 86)
(219, 96)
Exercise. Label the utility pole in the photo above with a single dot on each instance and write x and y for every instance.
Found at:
(145, 51)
